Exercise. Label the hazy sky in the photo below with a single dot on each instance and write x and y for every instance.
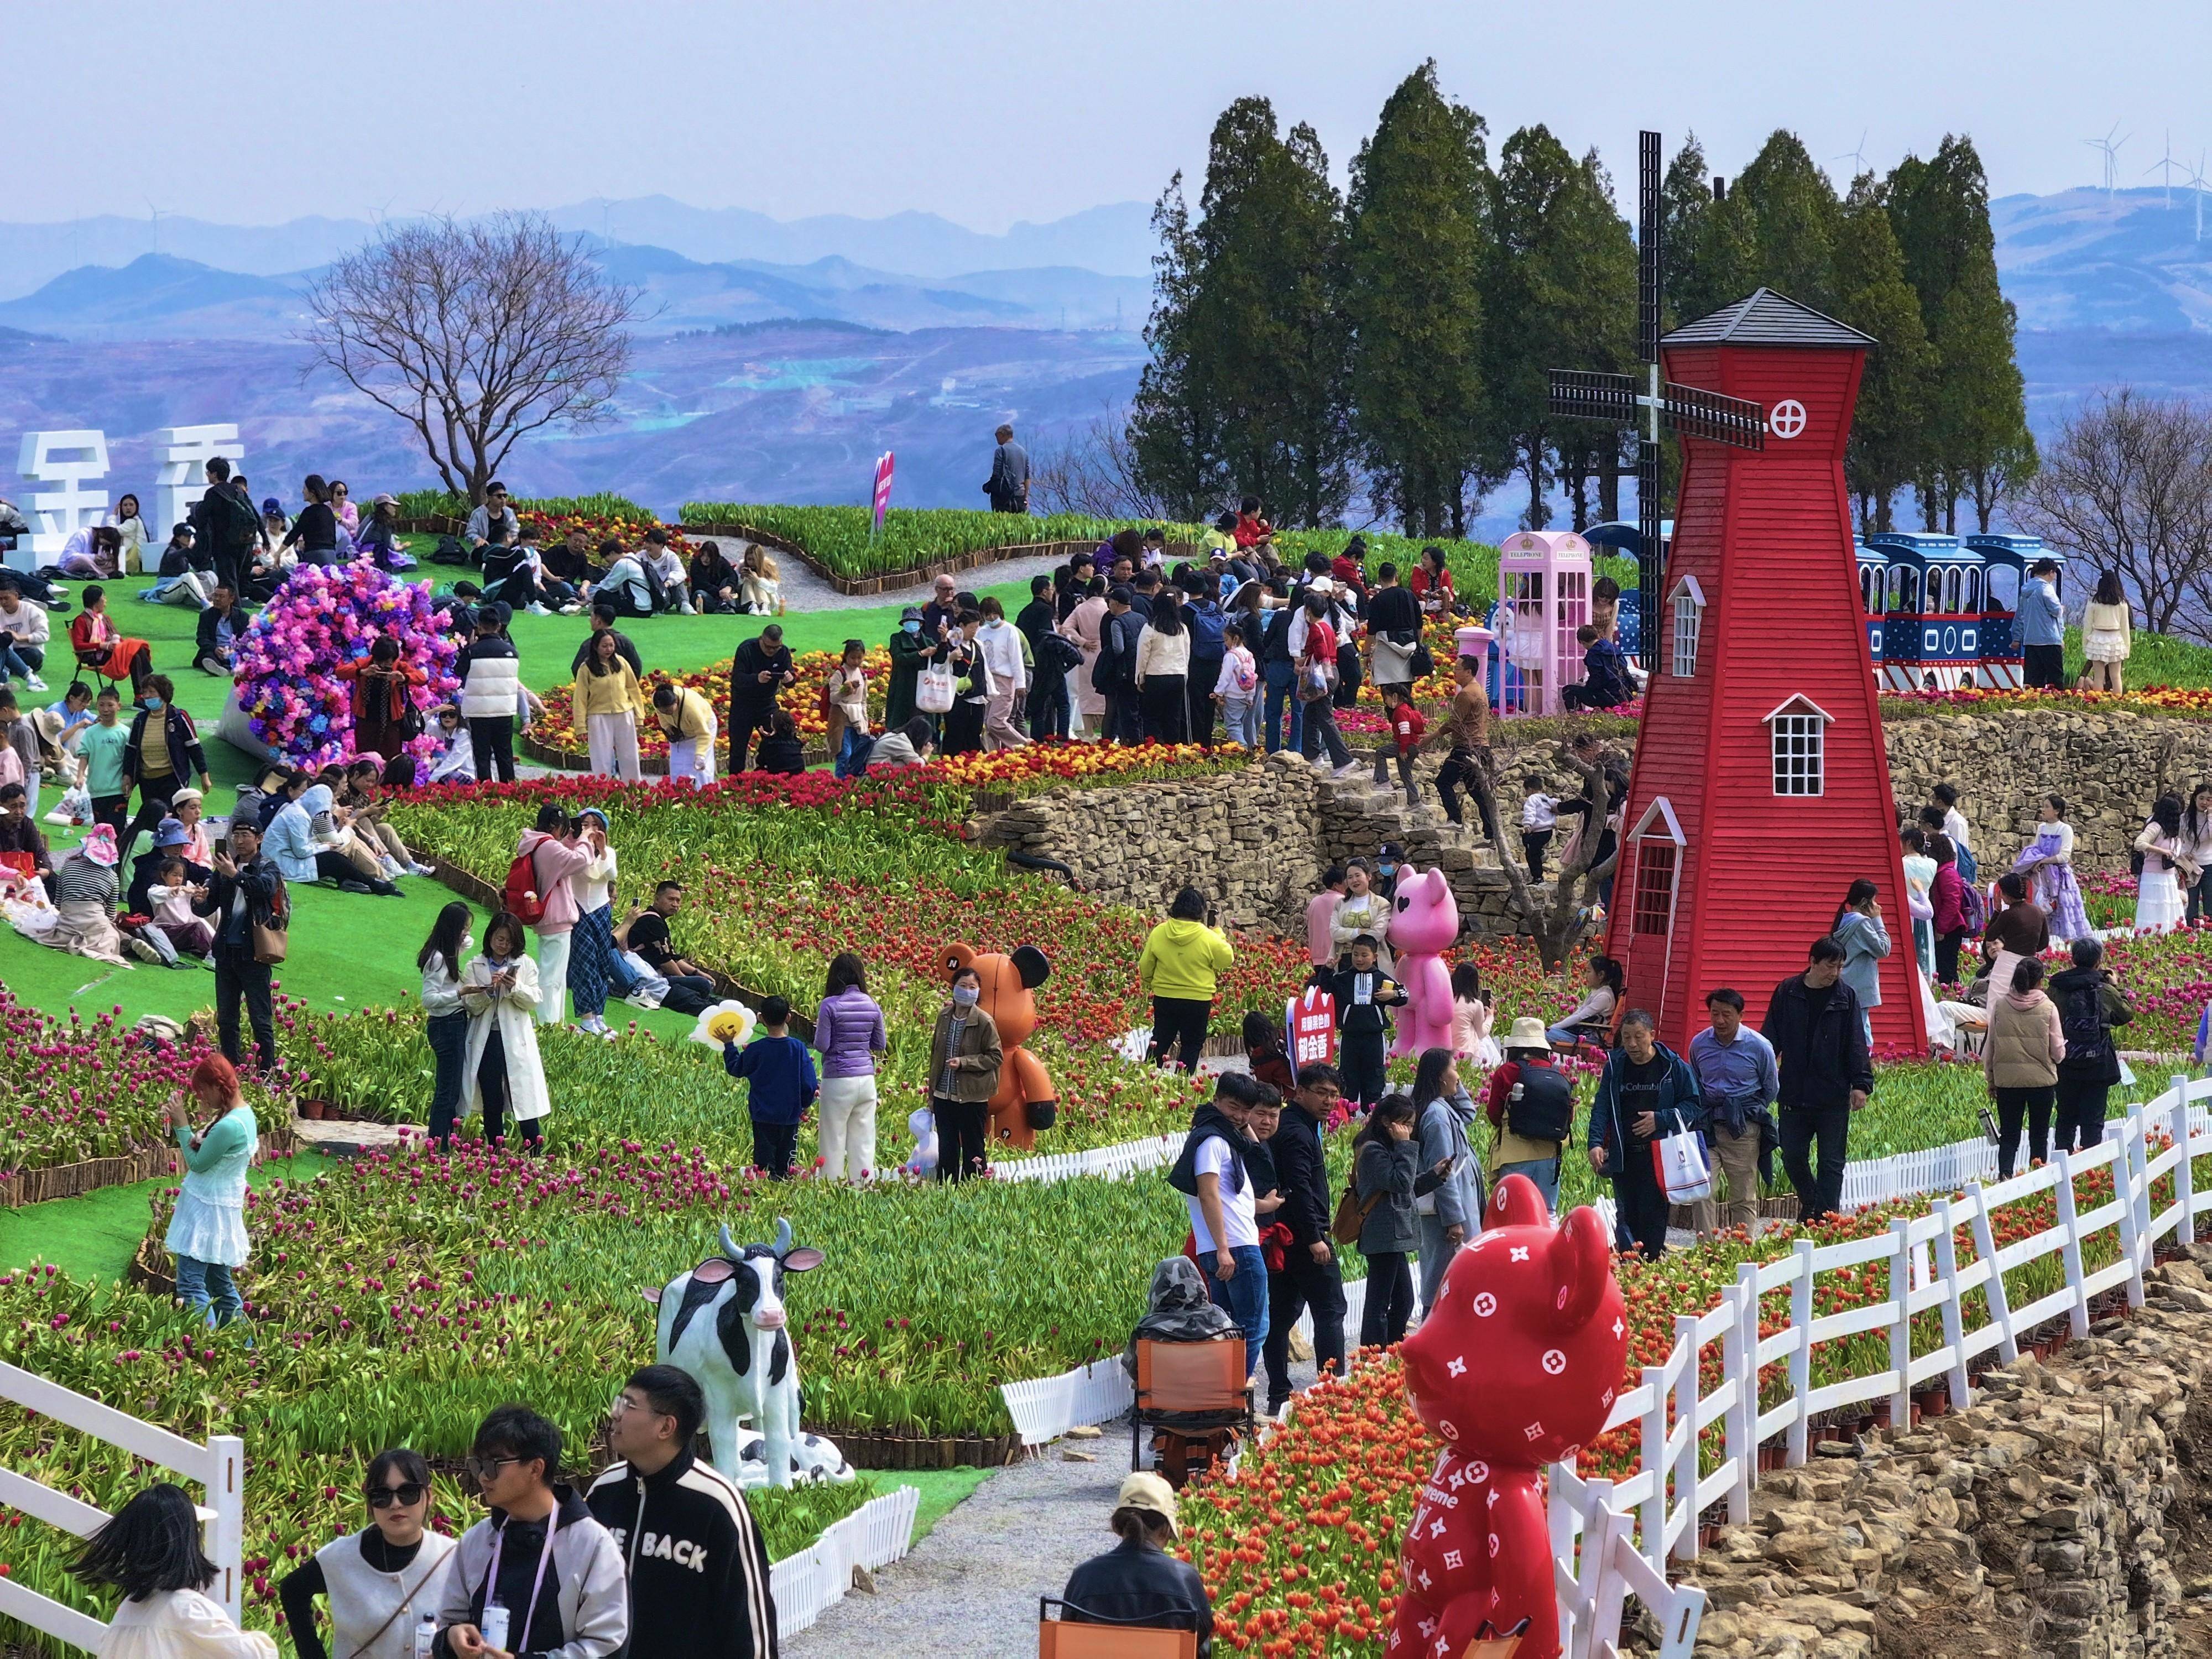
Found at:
(254, 112)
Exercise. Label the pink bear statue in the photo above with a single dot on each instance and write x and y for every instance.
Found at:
(1424, 922)
(1517, 1365)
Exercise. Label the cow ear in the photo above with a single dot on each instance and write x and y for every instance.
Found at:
(805, 1259)
(652, 1294)
(714, 1269)
(1030, 962)
(1582, 1265)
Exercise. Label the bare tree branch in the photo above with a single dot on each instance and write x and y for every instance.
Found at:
(475, 336)
(1558, 919)
(1094, 471)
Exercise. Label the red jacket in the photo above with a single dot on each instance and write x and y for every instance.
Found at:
(1948, 893)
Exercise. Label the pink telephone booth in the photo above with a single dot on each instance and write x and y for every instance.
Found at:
(1544, 595)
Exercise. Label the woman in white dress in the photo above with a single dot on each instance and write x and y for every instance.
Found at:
(150, 1551)
(502, 1066)
(2108, 634)
(207, 1234)
(2166, 867)
(2047, 864)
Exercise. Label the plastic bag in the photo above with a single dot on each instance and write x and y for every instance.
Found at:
(74, 807)
(1684, 1174)
(932, 691)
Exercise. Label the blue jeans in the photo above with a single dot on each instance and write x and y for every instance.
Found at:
(1243, 1298)
(1543, 1171)
(449, 1045)
(1242, 721)
(1575, 1034)
(209, 1285)
(1281, 676)
(843, 768)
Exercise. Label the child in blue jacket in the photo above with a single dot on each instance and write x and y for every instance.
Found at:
(781, 1071)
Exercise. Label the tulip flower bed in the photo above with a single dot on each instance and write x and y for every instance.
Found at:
(313, 1408)
(1299, 1550)
(74, 1091)
(839, 538)
(2177, 702)
(318, 618)
(773, 894)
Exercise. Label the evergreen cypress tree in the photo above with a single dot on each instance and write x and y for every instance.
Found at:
(1873, 295)
(1416, 241)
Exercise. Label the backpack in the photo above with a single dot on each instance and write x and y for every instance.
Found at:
(1973, 906)
(1542, 1105)
(2081, 1020)
(652, 585)
(449, 551)
(520, 895)
(1352, 1212)
(1057, 654)
(1206, 625)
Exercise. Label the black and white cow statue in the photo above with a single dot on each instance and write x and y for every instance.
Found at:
(743, 1360)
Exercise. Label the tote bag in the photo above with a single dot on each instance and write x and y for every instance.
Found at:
(1680, 1161)
(932, 692)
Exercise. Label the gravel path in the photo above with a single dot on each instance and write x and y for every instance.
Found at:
(969, 1590)
(803, 591)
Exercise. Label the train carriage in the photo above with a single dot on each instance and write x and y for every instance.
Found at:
(1874, 597)
(1932, 625)
(2005, 559)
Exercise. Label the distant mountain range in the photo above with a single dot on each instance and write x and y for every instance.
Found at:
(1114, 241)
(779, 359)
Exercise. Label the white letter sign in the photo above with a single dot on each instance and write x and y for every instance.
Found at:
(70, 460)
(183, 452)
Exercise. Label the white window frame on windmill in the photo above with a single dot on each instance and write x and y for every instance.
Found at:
(1797, 729)
(1657, 827)
(1688, 601)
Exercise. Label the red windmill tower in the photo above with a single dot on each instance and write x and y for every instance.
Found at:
(1761, 787)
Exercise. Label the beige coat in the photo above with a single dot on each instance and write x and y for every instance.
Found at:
(2025, 1044)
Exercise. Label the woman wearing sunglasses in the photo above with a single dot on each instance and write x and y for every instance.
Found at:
(379, 1580)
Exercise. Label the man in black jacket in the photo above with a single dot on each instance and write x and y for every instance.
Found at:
(225, 524)
(1820, 1043)
(758, 673)
(1310, 1276)
(1047, 708)
(697, 1563)
(244, 890)
(1137, 1581)
(216, 636)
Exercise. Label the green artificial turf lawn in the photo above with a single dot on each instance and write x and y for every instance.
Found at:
(942, 1490)
(679, 644)
(93, 1236)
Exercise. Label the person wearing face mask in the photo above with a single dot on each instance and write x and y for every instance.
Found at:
(964, 1058)
(912, 650)
(158, 767)
(447, 1023)
(379, 1580)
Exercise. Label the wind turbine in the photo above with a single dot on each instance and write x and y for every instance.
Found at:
(2111, 149)
(2165, 164)
(2195, 185)
(1857, 157)
(155, 213)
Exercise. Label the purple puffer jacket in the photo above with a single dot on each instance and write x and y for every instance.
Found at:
(848, 1031)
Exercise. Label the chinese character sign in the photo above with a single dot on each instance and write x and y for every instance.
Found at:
(183, 452)
(882, 491)
(65, 462)
(1310, 1020)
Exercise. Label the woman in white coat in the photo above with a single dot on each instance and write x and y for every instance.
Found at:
(150, 1551)
(500, 991)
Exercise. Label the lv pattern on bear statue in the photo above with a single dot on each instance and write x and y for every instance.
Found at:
(1517, 1365)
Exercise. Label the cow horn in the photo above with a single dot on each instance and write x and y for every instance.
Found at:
(783, 1236)
(731, 1248)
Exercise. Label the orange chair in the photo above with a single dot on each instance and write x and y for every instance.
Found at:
(1190, 1393)
(1101, 1637)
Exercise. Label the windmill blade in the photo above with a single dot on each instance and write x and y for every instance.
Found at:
(1698, 414)
(1586, 395)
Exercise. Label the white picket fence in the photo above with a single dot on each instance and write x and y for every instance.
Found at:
(805, 1585)
(219, 1466)
(1114, 1163)
(1671, 1409)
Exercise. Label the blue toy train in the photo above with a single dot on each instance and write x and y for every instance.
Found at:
(1939, 609)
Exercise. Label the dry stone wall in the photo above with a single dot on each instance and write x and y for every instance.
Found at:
(2065, 1515)
(1256, 839)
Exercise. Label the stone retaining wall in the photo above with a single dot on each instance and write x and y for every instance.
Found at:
(2064, 1515)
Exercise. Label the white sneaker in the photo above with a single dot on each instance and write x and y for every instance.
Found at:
(34, 682)
(536, 609)
(1349, 770)
(685, 610)
(426, 869)
(572, 610)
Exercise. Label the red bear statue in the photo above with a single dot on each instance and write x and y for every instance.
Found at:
(1517, 1365)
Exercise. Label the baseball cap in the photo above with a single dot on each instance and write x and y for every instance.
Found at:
(1148, 1491)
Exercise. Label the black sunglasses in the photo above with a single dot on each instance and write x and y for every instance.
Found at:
(383, 1497)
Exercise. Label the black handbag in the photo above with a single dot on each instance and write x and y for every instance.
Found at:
(1421, 664)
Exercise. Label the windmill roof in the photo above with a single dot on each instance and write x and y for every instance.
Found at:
(1768, 319)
